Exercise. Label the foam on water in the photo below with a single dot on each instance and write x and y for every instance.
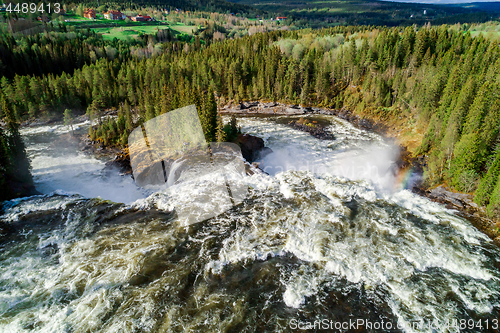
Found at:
(354, 154)
(78, 264)
(378, 247)
(56, 129)
(84, 175)
(57, 167)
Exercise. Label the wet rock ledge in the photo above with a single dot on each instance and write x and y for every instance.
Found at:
(257, 108)
(263, 108)
(313, 128)
(252, 148)
(465, 207)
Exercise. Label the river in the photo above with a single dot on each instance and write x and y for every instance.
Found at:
(329, 237)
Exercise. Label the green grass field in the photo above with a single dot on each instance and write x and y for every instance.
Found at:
(124, 32)
(181, 28)
(490, 30)
(127, 32)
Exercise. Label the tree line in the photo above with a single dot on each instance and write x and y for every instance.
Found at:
(444, 80)
(191, 5)
(62, 49)
(14, 164)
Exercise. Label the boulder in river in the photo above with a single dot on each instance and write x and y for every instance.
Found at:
(312, 128)
(252, 147)
(445, 196)
(293, 111)
(248, 105)
(121, 162)
(268, 105)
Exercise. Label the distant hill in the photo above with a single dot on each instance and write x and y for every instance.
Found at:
(371, 12)
(220, 6)
(486, 6)
(483, 6)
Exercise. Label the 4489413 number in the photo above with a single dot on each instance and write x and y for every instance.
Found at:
(33, 8)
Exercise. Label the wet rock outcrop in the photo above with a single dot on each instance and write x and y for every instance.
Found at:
(121, 162)
(17, 189)
(464, 206)
(445, 196)
(252, 147)
(312, 128)
(264, 108)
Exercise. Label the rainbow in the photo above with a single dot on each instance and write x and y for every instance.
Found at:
(403, 179)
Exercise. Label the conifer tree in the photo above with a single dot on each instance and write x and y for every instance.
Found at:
(94, 111)
(17, 150)
(488, 183)
(150, 112)
(493, 208)
(124, 139)
(128, 117)
(68, 119)
(210, 116)
(92, 133)
(478, 109)
(5, 166)
(466, 159)
(4, 153)
(221, 134)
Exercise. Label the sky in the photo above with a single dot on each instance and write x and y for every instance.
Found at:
(443, 1)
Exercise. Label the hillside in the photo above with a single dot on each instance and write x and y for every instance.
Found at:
(220, 6)
(367, 12)
(483, 6)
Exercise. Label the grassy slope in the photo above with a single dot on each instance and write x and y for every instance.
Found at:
(125, 32)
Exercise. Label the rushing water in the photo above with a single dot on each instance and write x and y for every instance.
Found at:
(329, 235)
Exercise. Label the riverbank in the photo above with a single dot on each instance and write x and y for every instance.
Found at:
(409, 139)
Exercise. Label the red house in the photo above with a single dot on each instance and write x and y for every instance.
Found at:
(140, 18)
(89, 13)
(114, 15)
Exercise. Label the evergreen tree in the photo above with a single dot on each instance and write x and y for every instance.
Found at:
(488, 182)
(128, 118)
(210, 117)
(68, 119)
(221, 134)
(124, 139)
(466, 160)
(493, 208)
(478, 109)
(5, 166)
(17, 150)
(94, 111)
(92, 133)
